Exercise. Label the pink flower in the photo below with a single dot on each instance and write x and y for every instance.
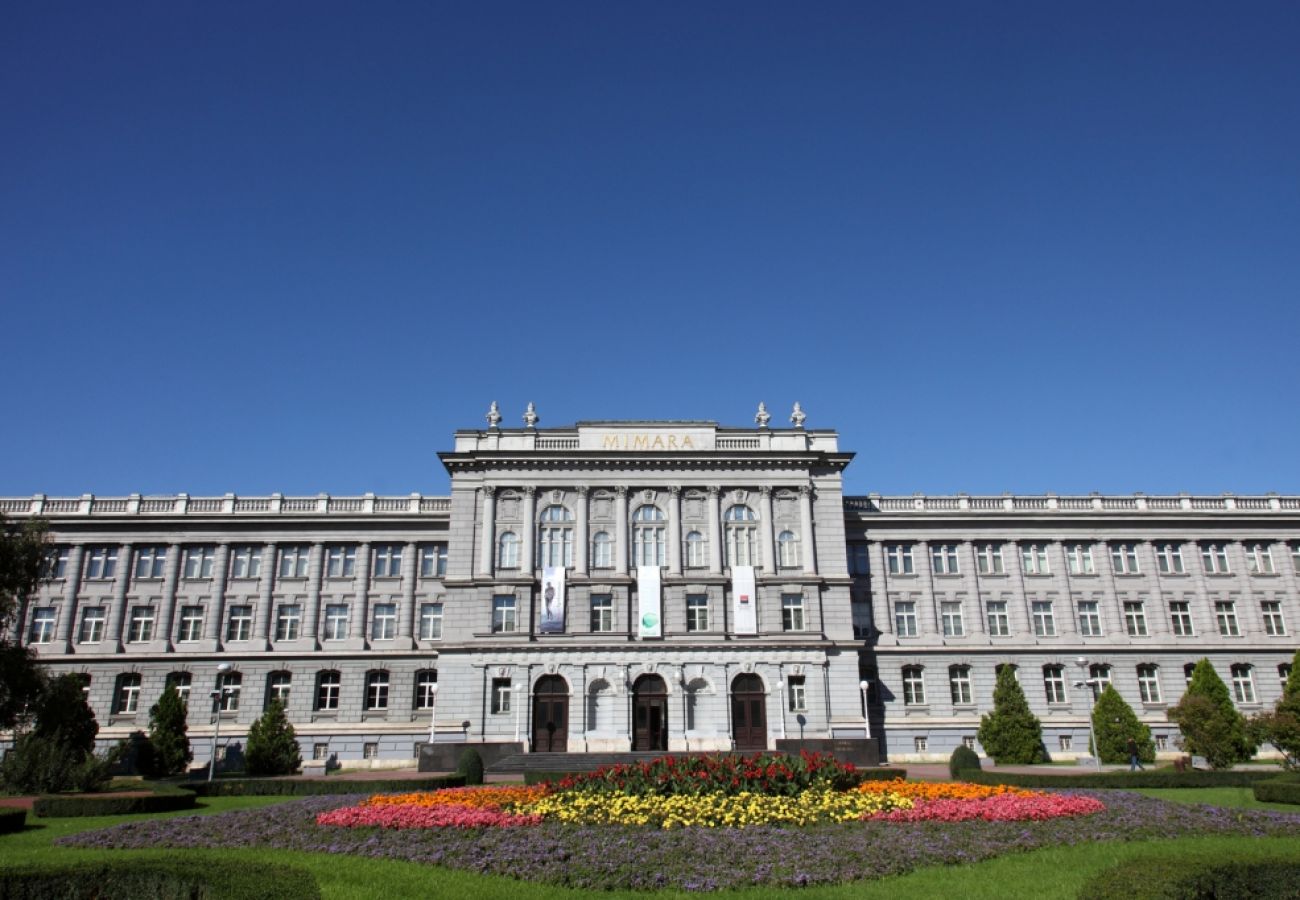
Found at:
(1002, 808)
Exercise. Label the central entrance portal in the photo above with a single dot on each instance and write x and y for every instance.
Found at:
(650, 713)
(551, 715)
(749, 713)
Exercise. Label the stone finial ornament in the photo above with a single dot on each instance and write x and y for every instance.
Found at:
(762, 417)
(530, 416)
(493, 415)
(797, 417)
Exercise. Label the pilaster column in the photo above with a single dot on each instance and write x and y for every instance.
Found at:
(882, 614)
(715, 531)
(620, 530)
(406, 620)
(528, 540)
(581, 541)
(674, 530)
(265, 592)
(315, 572)
(120, 584)
(765, 530)
(488, 540)
(216, 606)
(362, 583)
(71, 588)
(167, 612)
(807, 539)
(928, 624)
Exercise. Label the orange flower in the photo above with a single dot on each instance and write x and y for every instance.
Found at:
(491, 797)
(942, 790)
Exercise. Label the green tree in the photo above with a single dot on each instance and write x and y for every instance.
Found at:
(1281, 726)
(1011, 734)
(22, 568)
(272, 747)
(1114, 722)
(1210, 724)
(58, 753)
(167, 733)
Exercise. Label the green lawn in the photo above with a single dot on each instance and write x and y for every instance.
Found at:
(1051, 873)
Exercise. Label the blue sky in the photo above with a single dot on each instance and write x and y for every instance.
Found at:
(999, 247)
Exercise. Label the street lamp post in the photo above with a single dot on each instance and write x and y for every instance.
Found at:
(780, 705)
(866, 710)
(433, 710)
(217, 694)
(1082, 663)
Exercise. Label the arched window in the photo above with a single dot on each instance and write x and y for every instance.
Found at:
(913, 686)
(327, 690)
(1243, 683)
(695, 551)
(602, 551)
(959, 685)
(508, 551)
(181, 681)
(1149, 682)
(648, 545)
(426, 688)
(1054, 683)
(787, 545)
(377, 690)
(557, 537)
(126, 695)
(742, 536)
(229, 684)
(277, 688)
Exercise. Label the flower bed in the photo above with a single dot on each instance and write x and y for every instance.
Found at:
(411, 816)
(774, 775)
(1003, 808)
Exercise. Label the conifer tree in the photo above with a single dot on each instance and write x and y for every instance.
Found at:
(167, 734)
(272, 745)
(1114, 722)
(1011, 734)
(1210, 724)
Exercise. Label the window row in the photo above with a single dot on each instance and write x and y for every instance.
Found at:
(245, 561)
(900, 559)
(326, 692)
(505, 613)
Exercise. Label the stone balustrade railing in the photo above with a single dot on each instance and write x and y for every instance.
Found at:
(1050, 503)
(230, 504)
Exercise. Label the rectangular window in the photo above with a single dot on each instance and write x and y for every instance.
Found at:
(388, 561)
(968, 742)
(1162, 742)
(92, 625)
(42, 630)
(1169, 559)
(1295, 557)
(905, 618)
(340, 561)
(56, 562)
(503, 614)
(1033, 558)
(913, 686)
(1124, 559)
(294, 559)
(150, 562)
(999, 625)
(246, 562)
(101, 562)
(1243, 683)
(989, 557)
(1054, 684)
(920, 744)
(239, 625)
(1078, 558)
(1044, 621)
(792, 618)
(1180, 618)
(370, 750)
(859, 558)
(899, 557)
(430, 621)
(798, 694)
(1259, 559)
(383, 624)
(1148, 683)
(1089, 619)
(336, 621)
(377, 691)
(288, 622)
(697, 612)
(959, 685)
(199, 561)
(1214, 557)
(501, 695)
(1135, 618)
(1065, 742)
(943, 559)
(433, 560)
(320, 751)
(602, 613)
(191, 626)
(953, 626)
(1225, 613)
(141, 627)
(1271, 610)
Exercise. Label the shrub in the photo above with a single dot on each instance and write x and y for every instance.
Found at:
(1114, 723)
(57, 754)
(963, 759)
(1281, 725)
(1161, 778)
(12, 819)
(272, 745)
(1277, 790)
(1210, 724)
(164, 879)
(167, 734)
(470, 765)
(1183, 879)
(294, 787)
(163, 799)
(1011, 734)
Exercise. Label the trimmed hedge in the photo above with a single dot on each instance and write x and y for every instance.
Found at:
(1278, 791)
(12, 819)
(872, 774)
(164, 798)
(1184, 879)
(291, 787)
(1157, 779)
(156, 879)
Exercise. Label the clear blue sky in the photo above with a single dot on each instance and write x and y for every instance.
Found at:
(292, 246)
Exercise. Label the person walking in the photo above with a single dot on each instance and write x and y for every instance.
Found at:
(1134, 764)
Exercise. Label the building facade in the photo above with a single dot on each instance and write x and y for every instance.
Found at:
(674, 586)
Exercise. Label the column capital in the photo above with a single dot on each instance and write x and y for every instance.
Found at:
(582, 491)
(714, 491)
(765, 491)
(621, 491)
(675, 490)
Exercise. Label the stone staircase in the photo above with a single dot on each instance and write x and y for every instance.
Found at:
(520, 763)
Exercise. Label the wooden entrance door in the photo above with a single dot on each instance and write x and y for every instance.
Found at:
(749, 713)
(551, 715)
(649, 713)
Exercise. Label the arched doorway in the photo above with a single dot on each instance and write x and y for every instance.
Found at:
(749, 713)
(551, 715)
(650, 713)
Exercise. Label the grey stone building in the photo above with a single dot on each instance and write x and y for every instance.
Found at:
(657, 585)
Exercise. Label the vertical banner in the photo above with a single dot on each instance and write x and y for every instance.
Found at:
(744, 600)
(649, 618)
(552, 600)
